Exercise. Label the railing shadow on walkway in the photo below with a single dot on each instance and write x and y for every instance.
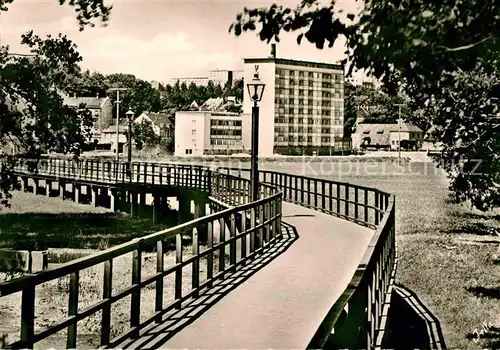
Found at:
(172, 323)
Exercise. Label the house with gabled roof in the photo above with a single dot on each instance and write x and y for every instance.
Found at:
(387, 136)
(161, 122)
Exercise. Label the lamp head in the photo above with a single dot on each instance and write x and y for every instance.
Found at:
(256, 87)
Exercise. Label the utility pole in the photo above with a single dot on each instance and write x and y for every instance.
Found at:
(117, 120)
(399, 131)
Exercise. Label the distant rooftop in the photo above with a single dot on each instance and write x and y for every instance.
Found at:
(295, 62)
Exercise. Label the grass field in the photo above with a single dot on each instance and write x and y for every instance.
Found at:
(39, 222)
(449, 254)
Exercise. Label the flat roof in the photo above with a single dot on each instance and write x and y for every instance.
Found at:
(295, 63)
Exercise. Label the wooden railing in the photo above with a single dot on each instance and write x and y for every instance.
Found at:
(252, 226)
(357, 319)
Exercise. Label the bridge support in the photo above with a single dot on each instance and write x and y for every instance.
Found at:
(48, 187)
(76, 192)
(133, 204)
(142, 203)
(184, 208)
(200, 211)
(62, 189)
(35, 186)
(95, 195)
(24, 183)
(113, 199)
(157, 204)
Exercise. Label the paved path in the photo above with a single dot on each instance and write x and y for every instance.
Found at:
(282, 305)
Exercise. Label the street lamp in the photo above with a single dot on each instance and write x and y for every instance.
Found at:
(130, 116)
(399, 131)
(256, 90)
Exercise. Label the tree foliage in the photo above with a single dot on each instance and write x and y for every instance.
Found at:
(88, 11)
(32, 113)
(143, 135)
(181, 96)
(430, 51)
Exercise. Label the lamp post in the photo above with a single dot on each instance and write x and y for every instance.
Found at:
(129, 115)
(399, 131)
(256, 90)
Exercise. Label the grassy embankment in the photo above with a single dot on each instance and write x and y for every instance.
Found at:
(449, 254)
(38, 222)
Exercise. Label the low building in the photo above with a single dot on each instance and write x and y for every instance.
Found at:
(209, 132)
(387, 136)
(161, 123)
(109, 135)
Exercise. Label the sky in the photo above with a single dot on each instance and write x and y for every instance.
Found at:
(160, 39)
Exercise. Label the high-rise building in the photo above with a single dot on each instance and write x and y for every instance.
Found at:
(302, 109)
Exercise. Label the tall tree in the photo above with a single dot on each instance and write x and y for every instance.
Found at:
(424, 48)
(33, 115)
(30, 105)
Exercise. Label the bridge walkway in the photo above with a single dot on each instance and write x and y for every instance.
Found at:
(280, 306)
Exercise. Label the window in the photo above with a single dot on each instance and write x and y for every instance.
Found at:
(291, 92)
(311, 75)
(301, 92)
(301, 139)
(310, 83)
(291, 110)
(291, 82)
(193, 121)
(301, 110)
(301, 74)
(291, 101)
(301, 120)
(310, 93)
(193, 132)
(309, 139)
(292, 73)
(309, 130)
(301, 102)
(310, 111)
(301, 82)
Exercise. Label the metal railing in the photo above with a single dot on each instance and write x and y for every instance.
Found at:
(253, 226)
(357, 319)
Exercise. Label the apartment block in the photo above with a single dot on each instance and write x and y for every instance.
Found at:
(302, 109)
(206, 132)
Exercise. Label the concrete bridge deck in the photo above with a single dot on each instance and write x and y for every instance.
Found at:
(279, 306)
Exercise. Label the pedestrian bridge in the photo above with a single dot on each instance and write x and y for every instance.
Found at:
(310, 264)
